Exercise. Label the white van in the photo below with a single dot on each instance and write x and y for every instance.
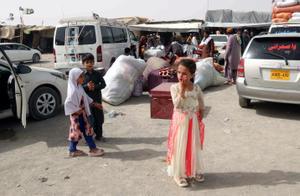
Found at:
(106, 39)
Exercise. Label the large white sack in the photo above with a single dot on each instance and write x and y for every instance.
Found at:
(154, 52)
(154, 63)
(287, 3)
(120, 79)
(206, 75)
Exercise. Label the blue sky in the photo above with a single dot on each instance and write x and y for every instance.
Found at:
(50, 11)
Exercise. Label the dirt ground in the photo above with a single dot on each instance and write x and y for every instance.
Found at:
(247, 152)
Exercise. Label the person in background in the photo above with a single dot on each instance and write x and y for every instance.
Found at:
(151, 41)
(207, 45)
(93, 84)
(194, 40)
(189, 39)
(77, 105)
(232, 56)
(245, 40)
(127, 51)
(176, 47)
(142, 46)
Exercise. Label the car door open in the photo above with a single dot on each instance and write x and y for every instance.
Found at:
(20, 97)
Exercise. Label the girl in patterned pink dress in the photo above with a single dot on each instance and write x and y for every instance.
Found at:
(186, 133)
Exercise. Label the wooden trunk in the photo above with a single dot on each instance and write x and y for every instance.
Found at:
(161, 101)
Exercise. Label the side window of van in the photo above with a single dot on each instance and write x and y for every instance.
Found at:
(107, 36)
(87, 35)
(119, 35)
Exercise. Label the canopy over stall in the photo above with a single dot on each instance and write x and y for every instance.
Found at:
(170, 26)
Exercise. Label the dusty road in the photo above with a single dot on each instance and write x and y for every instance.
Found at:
(247, 152)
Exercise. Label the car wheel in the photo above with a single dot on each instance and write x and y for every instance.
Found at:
(244, 103)
(36, 58)
(43, 103)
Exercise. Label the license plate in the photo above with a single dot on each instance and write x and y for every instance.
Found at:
(280, 75)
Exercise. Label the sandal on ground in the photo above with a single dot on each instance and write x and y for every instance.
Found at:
(199, 178)
(228, 82)
(96, 152)
(77, 153)
(181, 182)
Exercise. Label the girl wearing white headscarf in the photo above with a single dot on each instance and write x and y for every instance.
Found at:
(77, 105)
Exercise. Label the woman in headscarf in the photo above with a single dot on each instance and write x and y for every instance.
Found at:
(77, 105)
(207, 45)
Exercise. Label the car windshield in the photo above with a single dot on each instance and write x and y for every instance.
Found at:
(287, 47)
(285, 29)
(219, 38)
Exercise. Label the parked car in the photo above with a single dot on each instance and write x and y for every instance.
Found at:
(270, 70)
(38, 92)
(220, 41)
(21, 53)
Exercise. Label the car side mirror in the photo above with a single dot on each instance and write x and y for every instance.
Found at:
(23, 69)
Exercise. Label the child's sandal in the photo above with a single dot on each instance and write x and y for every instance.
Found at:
(199, 178)
(96, 153)
(181, 182)
(77, 153)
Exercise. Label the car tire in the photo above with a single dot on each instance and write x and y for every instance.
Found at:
(36, 58)
(244, 103)
(43, 103)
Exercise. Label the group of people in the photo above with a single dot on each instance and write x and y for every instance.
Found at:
(84, 106)
(186, 132)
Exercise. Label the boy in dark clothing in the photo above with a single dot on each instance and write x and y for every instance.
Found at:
(93, 84)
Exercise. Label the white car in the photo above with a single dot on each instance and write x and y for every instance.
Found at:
(20, 53)
(269, 70)
(38, 92)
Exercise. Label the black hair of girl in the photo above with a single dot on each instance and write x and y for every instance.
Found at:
(190, 64)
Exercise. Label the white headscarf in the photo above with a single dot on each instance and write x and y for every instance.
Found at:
(205, 41)
(75, 94)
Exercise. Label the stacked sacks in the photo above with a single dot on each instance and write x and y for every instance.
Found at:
(283, 10)
(120, 79)
(206, 75)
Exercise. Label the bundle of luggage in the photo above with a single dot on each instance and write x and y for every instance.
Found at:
(286, 11)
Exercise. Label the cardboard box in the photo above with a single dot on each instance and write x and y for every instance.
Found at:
(161, 101)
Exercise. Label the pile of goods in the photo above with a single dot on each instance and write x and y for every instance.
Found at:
(286, 11)
(122, 78)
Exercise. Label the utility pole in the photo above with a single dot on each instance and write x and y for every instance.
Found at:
(26, 11)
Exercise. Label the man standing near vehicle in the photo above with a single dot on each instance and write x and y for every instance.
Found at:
(232, 56)
(93, 84)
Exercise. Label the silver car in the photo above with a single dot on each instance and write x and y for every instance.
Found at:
(270, 70)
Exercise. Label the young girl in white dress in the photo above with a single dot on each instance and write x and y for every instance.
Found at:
(186, 133)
